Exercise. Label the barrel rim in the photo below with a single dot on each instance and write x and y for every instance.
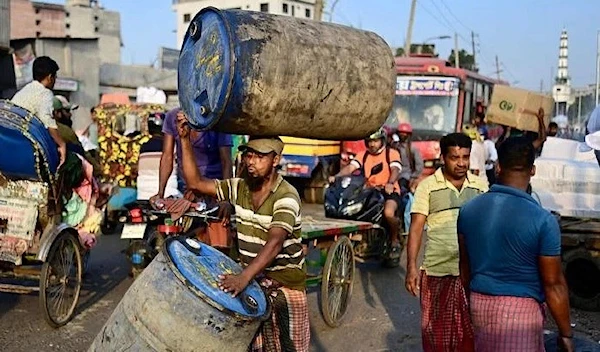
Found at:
(201, 294)
(233, 59)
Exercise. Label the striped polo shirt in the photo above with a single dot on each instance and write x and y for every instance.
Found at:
(440, 201)
(280, 209)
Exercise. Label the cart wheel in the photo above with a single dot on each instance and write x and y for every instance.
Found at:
(60, 282)
(338, 277)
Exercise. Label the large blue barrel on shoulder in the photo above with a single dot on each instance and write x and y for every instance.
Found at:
(27, 151)
(253, 73)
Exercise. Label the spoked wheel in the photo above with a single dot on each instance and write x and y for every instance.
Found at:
(60, 282)
(338, 277)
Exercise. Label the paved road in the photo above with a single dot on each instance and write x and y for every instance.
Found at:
(383, 317)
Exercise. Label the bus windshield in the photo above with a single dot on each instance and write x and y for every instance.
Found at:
(429, 104)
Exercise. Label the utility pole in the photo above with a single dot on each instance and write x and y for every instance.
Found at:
(319, 6)
(411, 22)
(541, 86)
(474, 68)
(456, 56)
(498, 70)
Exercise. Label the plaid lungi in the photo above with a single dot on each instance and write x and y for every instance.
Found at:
(287, 330)
(445, 321)
(505, 323)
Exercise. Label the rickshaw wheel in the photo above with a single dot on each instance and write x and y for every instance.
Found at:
(60, 281)
(338, 278)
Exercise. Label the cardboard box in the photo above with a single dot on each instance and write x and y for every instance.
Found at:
(518, 108)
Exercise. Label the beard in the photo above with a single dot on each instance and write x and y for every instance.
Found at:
(255, 182)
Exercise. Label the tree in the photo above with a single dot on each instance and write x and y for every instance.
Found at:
(465, 60)
(418, 49)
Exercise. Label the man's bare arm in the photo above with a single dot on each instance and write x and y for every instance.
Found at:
(557, 293)
(415, 236)
(226, 163)
(62, 146)
(539, 142)
(166, 164)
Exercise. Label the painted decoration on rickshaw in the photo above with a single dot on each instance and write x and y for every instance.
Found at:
(18, 217)
(122, 130)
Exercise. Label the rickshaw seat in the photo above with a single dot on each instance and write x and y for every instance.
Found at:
(27, 151)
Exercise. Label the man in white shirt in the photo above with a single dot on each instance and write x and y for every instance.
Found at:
(37, 97)
(478, 158)
(491, 155)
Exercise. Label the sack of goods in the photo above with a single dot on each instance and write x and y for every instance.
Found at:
(252, 73)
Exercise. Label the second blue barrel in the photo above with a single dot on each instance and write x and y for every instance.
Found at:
(253, 73)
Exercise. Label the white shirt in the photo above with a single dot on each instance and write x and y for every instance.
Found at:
(491, 153)
(38, 100)
(477, 159)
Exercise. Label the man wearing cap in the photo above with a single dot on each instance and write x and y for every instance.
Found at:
(268, 237)
(62, 114)
(37, 97)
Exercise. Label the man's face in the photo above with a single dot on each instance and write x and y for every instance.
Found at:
(51, 81)
(258, 166)
(374, 145)
(456, 162)
(553, 131)
(403, 136)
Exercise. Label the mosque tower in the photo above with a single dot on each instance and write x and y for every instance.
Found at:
(561, 91)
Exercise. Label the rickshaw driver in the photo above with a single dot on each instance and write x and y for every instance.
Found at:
(37, 97)
(268, 239)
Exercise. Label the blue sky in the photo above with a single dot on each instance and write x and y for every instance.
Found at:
(523, 33)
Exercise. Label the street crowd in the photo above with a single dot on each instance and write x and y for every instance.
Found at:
(492, 265)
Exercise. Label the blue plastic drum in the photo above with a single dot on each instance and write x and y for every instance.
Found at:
(252, 73)
(199, 267)
(28, 150)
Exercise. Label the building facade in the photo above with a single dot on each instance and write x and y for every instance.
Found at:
(186, 10)
(75, 19)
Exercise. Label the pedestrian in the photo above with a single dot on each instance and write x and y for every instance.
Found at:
(592, 133)
(477, 159)
(445, 320)
(552, 129)
(491, 155)
(410, 157)
(37, 97)
(510, 260)
(269, 240)
(212, 152)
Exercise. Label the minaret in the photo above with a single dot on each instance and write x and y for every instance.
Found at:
(563, 59)
(561, 92)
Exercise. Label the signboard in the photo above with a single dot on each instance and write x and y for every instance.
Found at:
(66, 85)
(168, 58)
(437, 86)
(18, 217)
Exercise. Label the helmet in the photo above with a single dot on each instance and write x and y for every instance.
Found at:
(405, 127)
(379, 134)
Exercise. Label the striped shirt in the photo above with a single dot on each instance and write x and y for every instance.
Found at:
(440, 201)
(280, 209)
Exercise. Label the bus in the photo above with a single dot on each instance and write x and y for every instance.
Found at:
(436, 98)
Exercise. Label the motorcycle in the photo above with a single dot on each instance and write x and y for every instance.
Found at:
(146, 229)
(348, 198)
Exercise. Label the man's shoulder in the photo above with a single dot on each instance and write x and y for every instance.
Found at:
(286, 189)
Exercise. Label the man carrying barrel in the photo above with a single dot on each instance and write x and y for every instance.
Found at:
(268, 239)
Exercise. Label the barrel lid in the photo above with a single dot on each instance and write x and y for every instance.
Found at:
(199, 266)
(205, 74)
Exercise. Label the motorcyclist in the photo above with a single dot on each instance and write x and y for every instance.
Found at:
(381, 166)
(412, 162)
